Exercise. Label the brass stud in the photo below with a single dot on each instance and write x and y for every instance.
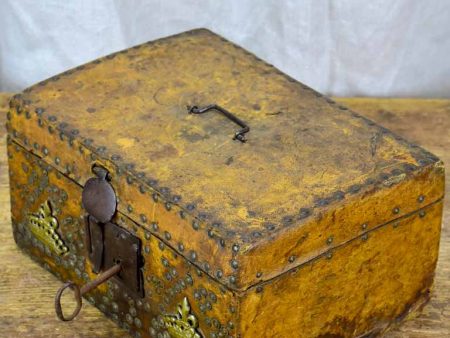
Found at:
(365, 237)
(396, 210)
(138, 323)
(256, 234)
(330, 240)
(421, 198)
(195, 225)
(354, 188)
(189, 280)
(304, 212)
(193, 255)
(329, 255)
(292, 258)
(161, 245)
(235, 248)
(197, 295)
(234, 264)
(422, 213)
(128, 318)
(270, 226)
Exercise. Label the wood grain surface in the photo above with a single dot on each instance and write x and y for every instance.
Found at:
(27, 290)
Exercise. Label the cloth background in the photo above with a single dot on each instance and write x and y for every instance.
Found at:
(342, 47)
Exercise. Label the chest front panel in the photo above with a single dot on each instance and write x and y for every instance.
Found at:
(43, 193)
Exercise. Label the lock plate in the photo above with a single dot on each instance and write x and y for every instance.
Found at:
(120, 246)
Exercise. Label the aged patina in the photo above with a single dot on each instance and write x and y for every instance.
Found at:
(321, 214)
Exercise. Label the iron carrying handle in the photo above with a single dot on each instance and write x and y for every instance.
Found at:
(239, 135)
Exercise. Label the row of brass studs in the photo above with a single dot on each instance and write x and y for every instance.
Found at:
(364, 237)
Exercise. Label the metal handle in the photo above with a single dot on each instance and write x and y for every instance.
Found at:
(78, 293)
(239, 135)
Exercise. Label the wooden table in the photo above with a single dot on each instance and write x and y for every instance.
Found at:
(27, 291)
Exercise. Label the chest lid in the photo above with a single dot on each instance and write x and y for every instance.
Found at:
(310, 176)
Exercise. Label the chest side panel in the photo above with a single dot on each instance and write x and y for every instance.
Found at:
(362, 287)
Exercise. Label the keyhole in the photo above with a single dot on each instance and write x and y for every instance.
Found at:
(118, 260)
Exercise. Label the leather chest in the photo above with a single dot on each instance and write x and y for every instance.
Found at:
(186, 188)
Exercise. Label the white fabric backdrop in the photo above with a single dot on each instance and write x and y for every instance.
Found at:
(346, 47)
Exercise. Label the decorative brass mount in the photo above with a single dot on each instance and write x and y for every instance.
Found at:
(44, 225)
(184, 324)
